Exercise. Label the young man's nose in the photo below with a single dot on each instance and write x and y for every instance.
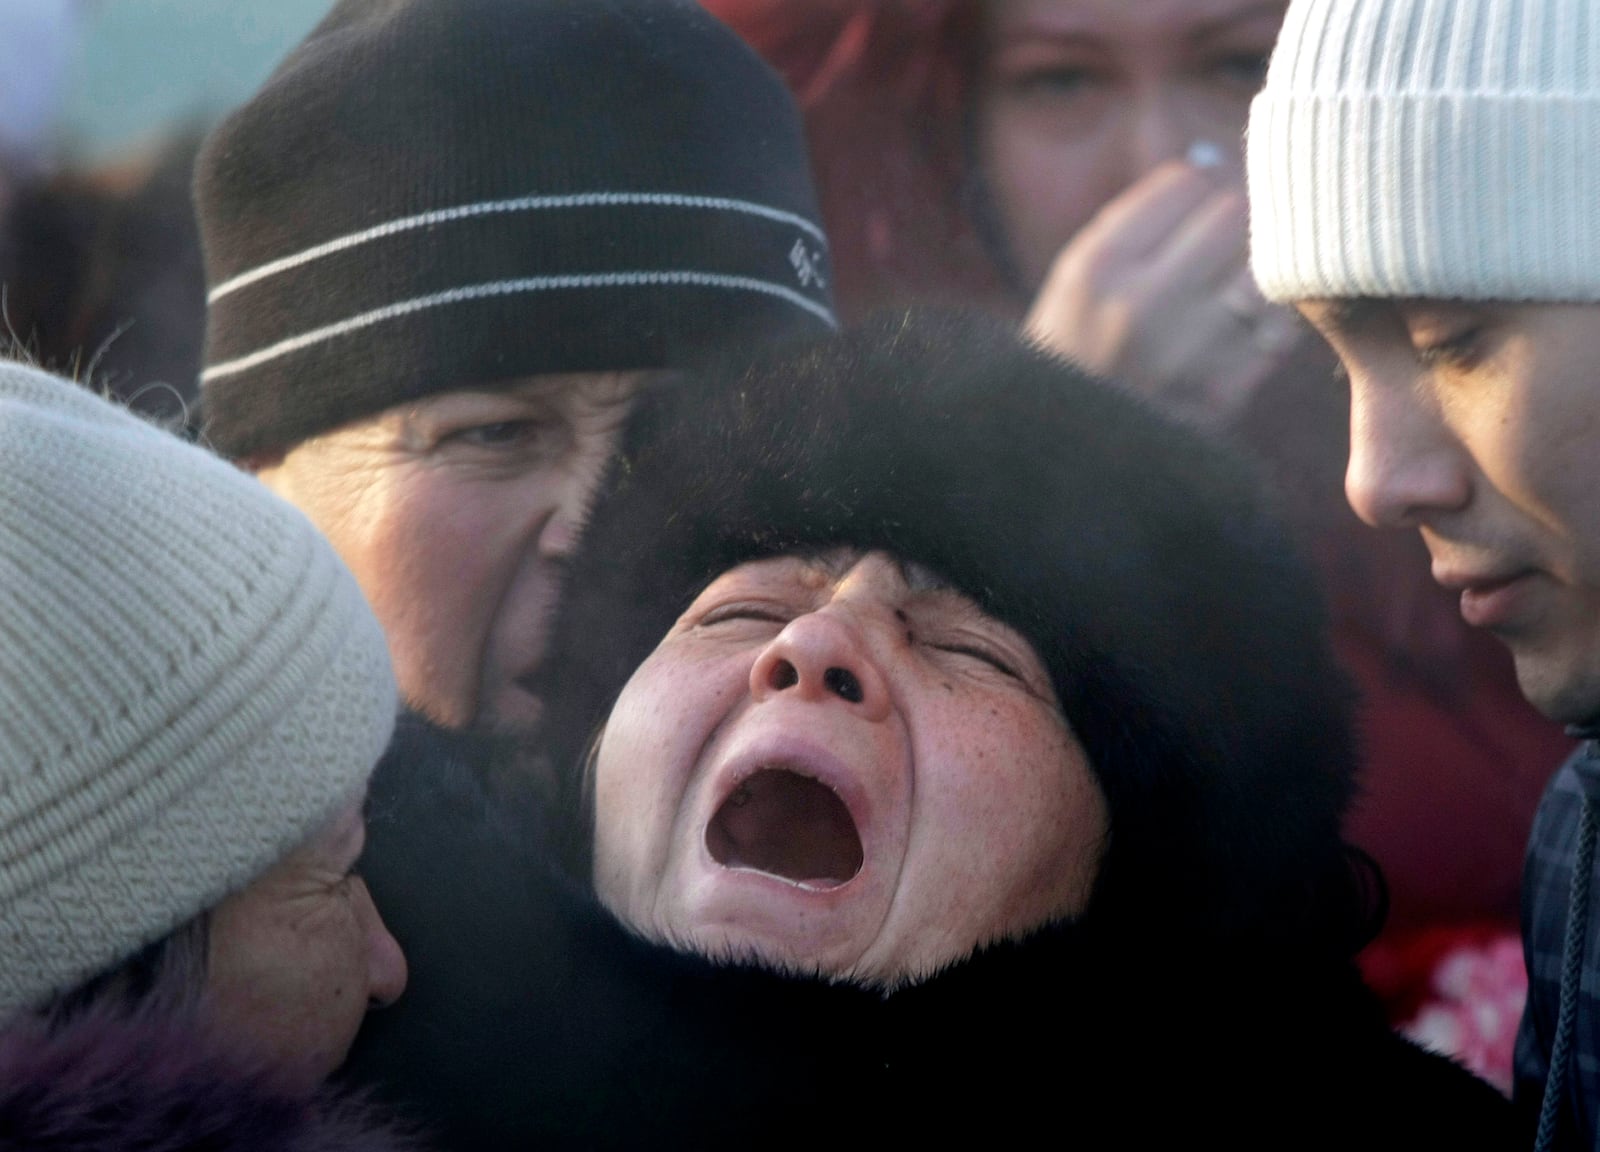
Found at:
(1405, 464)
(822, 657)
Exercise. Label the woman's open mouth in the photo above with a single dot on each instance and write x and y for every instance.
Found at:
(787, 825)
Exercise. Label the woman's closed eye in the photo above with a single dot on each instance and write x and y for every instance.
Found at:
(743, 611)
(978, 652)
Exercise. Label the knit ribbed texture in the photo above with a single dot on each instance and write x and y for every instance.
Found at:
(437, 194)
(190, 683)
(1435, 148)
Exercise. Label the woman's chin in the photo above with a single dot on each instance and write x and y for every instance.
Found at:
(807, 925)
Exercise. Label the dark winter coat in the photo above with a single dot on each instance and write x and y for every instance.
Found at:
(1548, 877)
(112, 1084)
(533, 1020)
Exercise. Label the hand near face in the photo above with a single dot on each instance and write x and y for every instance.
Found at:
(1155, 292)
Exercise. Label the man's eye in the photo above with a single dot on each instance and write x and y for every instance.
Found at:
(500, 434)
(983, 655)
(1459, 351)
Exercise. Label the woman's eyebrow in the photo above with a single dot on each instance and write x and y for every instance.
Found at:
(921, 578)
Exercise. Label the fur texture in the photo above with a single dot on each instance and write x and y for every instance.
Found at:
(534, 1020)
(106, 1083)
(1183, 634)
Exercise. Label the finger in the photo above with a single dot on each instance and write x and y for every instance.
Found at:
(1205, 254)
(1140, 220)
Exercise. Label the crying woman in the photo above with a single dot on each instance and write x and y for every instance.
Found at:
(944, 742)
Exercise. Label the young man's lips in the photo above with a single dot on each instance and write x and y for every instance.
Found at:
(1491, 603)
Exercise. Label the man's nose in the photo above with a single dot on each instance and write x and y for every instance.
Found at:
(564, 517)
(1406, 465)
(822, 656)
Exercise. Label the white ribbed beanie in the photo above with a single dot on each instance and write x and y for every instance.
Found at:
(1434, 148)
(191, 683)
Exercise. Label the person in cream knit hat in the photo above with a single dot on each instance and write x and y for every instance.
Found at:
(1424, 184)
(193, 693)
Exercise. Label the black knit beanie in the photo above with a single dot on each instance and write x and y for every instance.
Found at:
(1183, 634)
(436, 194)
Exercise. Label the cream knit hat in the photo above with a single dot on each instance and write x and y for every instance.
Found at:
(190, 684)
(1434, 148)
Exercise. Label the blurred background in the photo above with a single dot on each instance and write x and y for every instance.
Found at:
(103, 104)
(144, 68)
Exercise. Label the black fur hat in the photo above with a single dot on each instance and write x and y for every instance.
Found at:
(1183, 633)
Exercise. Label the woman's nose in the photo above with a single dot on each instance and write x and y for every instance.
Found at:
(822, 657)
(1157, 132)
(386, 962)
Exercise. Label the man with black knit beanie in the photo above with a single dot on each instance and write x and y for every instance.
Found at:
(446, 244)
(1425, 187)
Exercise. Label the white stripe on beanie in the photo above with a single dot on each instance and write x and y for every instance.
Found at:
(644, 278)
(518, 204)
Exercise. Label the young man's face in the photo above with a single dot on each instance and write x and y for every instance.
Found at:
(1479, 425)
(835, 765)
(456, 513)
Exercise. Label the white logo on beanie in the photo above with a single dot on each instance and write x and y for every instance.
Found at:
(806, 263)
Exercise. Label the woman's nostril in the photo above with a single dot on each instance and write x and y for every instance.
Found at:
(783, 675)
(843, 684)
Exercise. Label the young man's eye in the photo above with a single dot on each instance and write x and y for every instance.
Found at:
(1458, 351)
